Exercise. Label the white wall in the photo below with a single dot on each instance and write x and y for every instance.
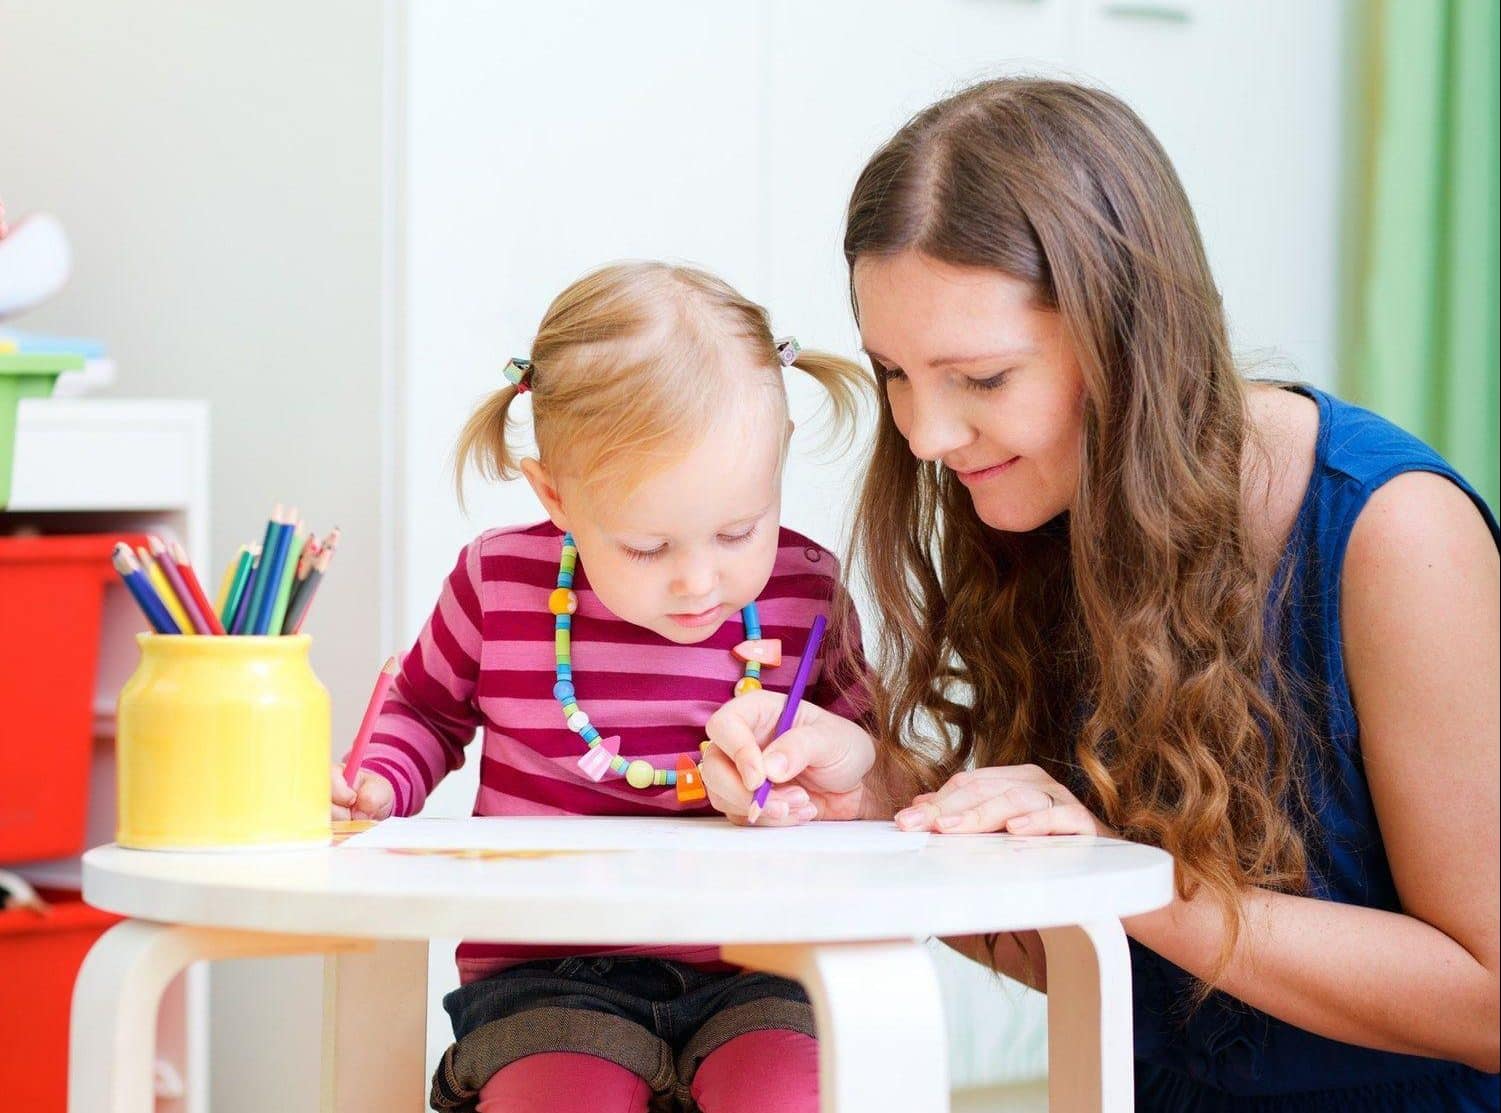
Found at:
(218, 167)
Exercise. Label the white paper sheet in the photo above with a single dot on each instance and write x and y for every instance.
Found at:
(632, 833)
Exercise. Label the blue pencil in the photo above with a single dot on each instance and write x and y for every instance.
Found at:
(253, 612)
(272, 577)
(242, 608)
(140, 587)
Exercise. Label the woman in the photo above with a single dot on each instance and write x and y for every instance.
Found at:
(1123, 591)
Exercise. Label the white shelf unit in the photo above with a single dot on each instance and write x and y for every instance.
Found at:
(96, 465)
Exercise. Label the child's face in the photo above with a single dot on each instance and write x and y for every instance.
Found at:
(692, 544)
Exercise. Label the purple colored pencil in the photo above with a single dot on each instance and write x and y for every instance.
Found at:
(794, 697)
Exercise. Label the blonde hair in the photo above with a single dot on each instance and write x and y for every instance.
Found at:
(630, 368)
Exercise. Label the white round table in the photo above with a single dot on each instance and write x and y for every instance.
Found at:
(849, 926)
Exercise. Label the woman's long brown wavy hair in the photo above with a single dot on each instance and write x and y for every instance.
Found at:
(1124, 647)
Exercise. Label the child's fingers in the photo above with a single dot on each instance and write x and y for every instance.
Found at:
(340, 792)
(375, 796)
(791, 754)
(727, 792)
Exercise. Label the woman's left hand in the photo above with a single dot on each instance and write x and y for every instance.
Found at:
(1021, 799)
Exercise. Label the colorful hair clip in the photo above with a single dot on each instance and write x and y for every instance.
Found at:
(518, 373)
(788, 349)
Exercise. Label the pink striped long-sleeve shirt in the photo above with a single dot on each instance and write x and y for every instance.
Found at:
(485, 661)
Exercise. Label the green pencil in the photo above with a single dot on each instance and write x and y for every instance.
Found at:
(288, 575)
(237, 585)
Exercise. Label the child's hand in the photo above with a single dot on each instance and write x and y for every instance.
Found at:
(372, 796)
(817, 767)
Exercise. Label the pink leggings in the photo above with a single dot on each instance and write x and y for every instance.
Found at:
(759, 1071)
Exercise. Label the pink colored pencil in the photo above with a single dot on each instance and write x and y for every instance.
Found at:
(367, 724)
(174, 577)
(195, 589)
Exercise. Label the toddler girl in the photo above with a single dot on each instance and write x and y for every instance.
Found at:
(590, 649)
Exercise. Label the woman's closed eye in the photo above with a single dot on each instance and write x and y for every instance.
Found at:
(989, 383)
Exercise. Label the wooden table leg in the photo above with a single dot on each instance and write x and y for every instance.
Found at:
(1090, 1052)
(112, 1034)
(881, 1043)
(375, 1029)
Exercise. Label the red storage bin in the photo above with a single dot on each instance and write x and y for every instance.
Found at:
(39, 961)
(51, 600)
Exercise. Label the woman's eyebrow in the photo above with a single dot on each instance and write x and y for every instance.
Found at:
(959, 360)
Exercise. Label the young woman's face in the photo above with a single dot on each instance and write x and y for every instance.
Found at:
(979, 379)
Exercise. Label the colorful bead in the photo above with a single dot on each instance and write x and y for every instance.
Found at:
(747, 684)
(639, 774)
(596, 761)
(577, 721)
(563, 601)
(703, 747)
(760, 651)
(690, 782)
(563, 692)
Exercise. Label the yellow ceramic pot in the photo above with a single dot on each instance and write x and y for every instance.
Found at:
(223, 742)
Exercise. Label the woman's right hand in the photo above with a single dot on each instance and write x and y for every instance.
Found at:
(372, 796)
(817, 768)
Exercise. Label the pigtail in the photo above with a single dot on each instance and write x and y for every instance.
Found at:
(484, 442)
(846, 383)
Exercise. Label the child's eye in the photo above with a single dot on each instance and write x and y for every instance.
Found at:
(889, 374)
(737, 538)
(987, 384)
(644, 554)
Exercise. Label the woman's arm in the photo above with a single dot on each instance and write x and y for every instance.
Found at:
(1421, 617)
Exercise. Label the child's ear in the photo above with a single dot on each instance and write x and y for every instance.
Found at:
(546, 490)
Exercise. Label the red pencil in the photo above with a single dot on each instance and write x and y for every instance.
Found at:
(169, 569)
(367, 724)
(195, 589)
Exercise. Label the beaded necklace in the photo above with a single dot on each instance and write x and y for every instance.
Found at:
(600, 757)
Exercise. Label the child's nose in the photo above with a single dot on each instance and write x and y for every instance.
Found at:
(694, 579)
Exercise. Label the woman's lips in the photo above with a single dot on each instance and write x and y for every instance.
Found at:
(980, 475)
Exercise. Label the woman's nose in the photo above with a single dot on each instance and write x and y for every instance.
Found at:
(934, 429)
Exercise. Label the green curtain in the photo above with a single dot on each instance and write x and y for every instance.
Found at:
(1422, 328)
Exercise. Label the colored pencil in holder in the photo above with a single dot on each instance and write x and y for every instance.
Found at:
(226, 582)
(165, 561)
(247, 593)
(237, 574)
(268, 552)
(298, 612)
(195, 588)
(271, 578)
(140, 588)
(284, 591)
(163, 588)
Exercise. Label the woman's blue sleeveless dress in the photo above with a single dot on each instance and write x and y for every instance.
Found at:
(1227, 1056)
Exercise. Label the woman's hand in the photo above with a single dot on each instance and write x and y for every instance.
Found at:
(372, 796)
(1021, 799)
(816, 768)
